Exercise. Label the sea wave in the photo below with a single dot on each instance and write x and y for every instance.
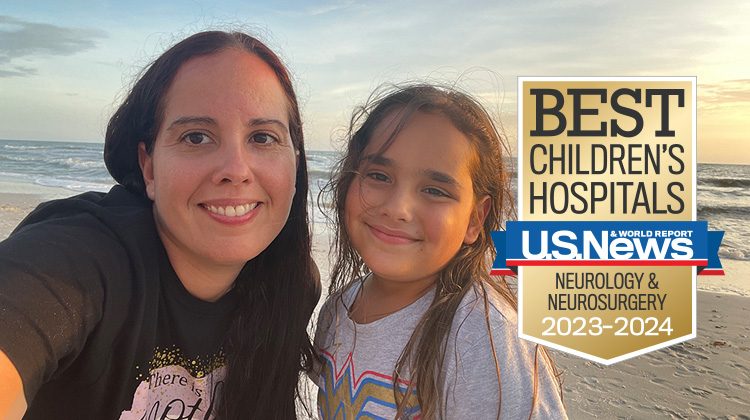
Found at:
(725, 182)
(19, 158)
(69, 162)
(78, 163)
(14, 147)
(75, 185)
(323, 175)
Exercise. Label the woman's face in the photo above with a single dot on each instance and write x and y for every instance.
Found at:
(222, 172)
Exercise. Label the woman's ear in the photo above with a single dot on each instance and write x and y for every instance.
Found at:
(476, 223)
(146, 162)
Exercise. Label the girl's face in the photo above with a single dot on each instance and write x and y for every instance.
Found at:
(413, 206)
(222, 172)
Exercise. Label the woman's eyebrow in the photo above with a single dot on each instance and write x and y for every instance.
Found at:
(192, 120)
(264, 121)
(210, 121)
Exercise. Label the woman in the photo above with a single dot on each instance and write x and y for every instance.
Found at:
(184, 292)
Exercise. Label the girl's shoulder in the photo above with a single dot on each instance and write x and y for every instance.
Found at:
(485, 361)
(482, 317)
(335, 308)
(482, 302)
(344, 296)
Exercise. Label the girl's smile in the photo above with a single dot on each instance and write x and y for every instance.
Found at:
(391, 236)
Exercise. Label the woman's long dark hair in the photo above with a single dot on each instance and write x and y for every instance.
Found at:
(267, 346)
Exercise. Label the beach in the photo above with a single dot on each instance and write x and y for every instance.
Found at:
(705, 378)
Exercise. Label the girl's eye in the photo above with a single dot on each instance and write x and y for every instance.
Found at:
(377, 176)
(263, 138)
(436, 192)
(196, 138)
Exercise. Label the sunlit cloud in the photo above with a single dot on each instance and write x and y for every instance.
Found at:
(731, 91)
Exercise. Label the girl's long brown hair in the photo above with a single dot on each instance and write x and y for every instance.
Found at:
(425, 352)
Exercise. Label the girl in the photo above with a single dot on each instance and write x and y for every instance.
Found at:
(422, 331)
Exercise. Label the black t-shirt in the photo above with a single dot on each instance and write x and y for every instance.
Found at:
(96, 321)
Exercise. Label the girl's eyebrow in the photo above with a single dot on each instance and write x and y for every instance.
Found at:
(440, 177)
(434, 175)
(378, 160)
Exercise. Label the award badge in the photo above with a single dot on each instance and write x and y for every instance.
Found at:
(607, 246)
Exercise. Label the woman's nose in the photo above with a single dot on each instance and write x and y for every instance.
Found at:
(235, 164)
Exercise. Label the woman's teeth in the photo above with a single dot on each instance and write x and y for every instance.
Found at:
(232, 211)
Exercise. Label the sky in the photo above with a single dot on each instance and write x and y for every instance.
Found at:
(64, 65)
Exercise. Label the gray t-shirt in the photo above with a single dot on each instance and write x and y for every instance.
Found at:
(356, 378)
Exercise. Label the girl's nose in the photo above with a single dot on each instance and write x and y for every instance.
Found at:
(235, 164)
(398, 204)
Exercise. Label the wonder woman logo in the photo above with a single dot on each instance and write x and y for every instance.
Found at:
(345, 396)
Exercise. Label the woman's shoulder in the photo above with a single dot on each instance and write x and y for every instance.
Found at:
(90, 224)
(90, 239)
(118, 209)
(65, 258)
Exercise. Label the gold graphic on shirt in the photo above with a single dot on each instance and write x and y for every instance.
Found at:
(369, 396)
(198, 367)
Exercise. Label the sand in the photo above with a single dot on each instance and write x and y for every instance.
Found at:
(704, 378)
(13, 208)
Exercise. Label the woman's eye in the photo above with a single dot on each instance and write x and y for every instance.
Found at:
(196, 138)
(263, 138)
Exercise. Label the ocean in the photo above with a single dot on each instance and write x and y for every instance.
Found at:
(78, 167)
(723, 190)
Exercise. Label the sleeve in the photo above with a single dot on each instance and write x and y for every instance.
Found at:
(52, 277)
(472, 389)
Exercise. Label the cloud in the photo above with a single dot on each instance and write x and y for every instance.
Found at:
(728, 100)
(22, 40)
(728, 91)
(17, 71)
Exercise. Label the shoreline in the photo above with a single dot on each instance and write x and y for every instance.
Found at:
(706, 377)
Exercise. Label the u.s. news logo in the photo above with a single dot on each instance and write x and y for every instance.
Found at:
(607, 244)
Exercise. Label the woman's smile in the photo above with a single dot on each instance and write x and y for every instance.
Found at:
(232, 214)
